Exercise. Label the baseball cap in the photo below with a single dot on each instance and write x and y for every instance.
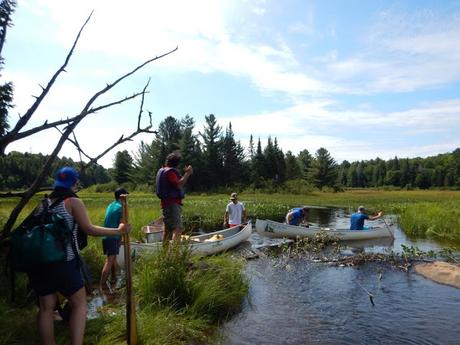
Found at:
(361, 208)
(120, 191)
(66, 177)
(233, 196)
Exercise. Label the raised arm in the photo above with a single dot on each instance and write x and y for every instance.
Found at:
(376, 216)
(188, 170)
(77, 208)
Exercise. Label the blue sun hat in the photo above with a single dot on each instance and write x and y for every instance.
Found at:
(66, 177)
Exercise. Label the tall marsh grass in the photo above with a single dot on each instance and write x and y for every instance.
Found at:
(210, 288)
(437, 220)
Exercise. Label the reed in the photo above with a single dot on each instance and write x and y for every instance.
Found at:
(436, 220)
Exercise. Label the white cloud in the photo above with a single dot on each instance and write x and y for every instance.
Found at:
(353, 135)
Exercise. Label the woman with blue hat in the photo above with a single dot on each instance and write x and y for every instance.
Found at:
(65, 277)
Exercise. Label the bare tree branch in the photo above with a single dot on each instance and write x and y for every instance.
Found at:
(69, 129)
(55, 124)
(21, 194)
(11, 135)
(122, 139)
(71, 124)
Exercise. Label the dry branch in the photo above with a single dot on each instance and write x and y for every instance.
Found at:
(23, 120)
(69, 129)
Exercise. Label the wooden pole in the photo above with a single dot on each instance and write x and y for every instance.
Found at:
(388, 228)
(131, 324)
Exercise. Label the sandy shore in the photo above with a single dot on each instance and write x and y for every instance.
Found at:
(440, 272)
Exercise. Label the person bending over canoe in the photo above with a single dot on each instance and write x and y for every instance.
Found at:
(235, 213)
(298, 215)
(358, 218)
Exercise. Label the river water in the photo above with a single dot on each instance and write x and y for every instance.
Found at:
(303, 302)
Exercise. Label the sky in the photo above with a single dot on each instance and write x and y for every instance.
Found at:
(363, 79)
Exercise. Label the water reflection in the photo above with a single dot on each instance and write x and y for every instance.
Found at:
(318, 304)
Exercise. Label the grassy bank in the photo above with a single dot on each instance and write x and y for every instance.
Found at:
(182, 299)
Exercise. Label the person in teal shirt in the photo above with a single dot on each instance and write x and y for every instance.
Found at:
(111, 244)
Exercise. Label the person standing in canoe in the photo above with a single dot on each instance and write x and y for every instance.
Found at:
(357, 219)
(235, 213)
(170, 189)
(111, 244)
(298, 215)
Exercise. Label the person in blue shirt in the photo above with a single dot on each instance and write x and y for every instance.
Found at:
(297, 215)
(111, 244)
(358, 218)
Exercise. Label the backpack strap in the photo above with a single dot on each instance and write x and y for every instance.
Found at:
(73, 238)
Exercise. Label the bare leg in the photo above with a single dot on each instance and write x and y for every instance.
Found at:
(105, 271)
(176, 234)
(78, 317)
(168, 235)
(110, 266)
(45, 318)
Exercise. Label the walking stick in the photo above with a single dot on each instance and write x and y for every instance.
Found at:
(131, 324)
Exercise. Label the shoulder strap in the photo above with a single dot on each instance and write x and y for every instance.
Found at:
(57, 202)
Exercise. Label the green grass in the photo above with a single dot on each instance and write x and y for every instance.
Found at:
(182, 298)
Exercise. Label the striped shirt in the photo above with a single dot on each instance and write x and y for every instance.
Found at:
(62, 211)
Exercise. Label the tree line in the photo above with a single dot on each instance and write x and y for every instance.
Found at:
(220, 161)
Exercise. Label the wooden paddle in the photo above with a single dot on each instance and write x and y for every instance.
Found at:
(391, 234)
(131, 324)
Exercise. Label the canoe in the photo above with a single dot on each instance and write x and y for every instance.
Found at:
(270, 228)
(206, 244)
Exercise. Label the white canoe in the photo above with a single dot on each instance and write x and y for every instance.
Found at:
(270, 228)
(206, 244)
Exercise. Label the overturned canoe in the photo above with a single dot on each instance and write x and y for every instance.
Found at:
(206, 244)
(270, 228)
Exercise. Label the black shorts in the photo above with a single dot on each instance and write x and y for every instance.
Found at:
(111, 246)
(64, 277)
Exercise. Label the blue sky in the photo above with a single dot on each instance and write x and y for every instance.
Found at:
(360, 78)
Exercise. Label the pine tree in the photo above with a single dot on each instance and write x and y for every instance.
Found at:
(122, 167)
(324, 169)
(233, 156)
(191, 151)
(292, 167)
(305, 161)
(212, 147)
(258, 167)
(251, 148)
(280, 163)
(270, 160)
(6, 90)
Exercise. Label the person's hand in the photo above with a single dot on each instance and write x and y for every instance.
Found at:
(124, 228)
(380, 213)
(188, 170)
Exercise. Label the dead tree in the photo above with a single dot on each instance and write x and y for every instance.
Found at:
(67, 127)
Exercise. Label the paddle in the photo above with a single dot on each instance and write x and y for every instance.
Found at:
(131, 324)
(388, 228)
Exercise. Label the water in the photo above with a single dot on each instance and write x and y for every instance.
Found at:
(318, 304)
(301, 302)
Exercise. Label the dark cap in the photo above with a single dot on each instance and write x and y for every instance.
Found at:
(66, 177)
(120, 191)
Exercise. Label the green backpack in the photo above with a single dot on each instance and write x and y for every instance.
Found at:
(40, 239)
